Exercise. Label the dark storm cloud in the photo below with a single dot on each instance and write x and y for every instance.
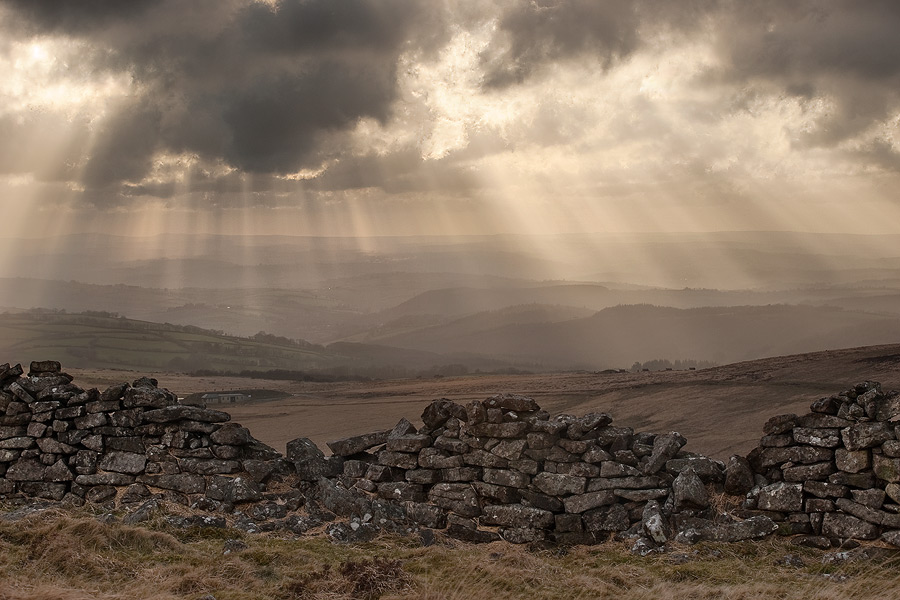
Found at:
(603, 31)
(263, 88)
(81, 16)
(844, 52)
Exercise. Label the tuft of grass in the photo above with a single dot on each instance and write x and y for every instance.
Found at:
(73, 556)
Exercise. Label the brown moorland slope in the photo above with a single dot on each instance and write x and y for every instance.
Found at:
(720, 410)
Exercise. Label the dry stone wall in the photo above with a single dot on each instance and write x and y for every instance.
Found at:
(60, 442)
(835, 472)
(497, 469)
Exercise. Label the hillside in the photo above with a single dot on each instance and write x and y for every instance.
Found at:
(695, 403)
(99, 340)
(621, 335)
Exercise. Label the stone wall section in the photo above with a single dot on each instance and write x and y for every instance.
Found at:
(496, 469)
(128, 442)
(833, 473)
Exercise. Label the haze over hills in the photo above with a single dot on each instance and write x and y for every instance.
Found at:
(526, 302)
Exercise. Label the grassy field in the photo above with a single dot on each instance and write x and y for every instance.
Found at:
(75, 556)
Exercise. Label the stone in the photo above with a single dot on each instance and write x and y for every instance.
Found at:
(586, 426)
(231, 434)
(451, 445)
(506, 478)
(780, 424)
(665, 447)
(104, 479)
(426, 515)
(653, 522)
(516, 515)
(40, 489)
(208, 466)
(887, 408)
(857, 480)
(509, 449)
(146, 397)
(559, 485)
(824, 489)
(309, 461)
(459, 498)
(44, 367)
(688, 491)
(607, 518)
(437, 413)
(781, 440)
(819, 505)
(540, 441)
(114, 392)
(784, 497)
(893, 492)
(891, 537)
(513, 402)
(852, 461)
(58, 472)
(17, 443)
(873, 499)
(544, 501)
(887, 469)
(822, 438)
(432, 458)
(891, 447)
(412, 443)
(90, 421)
(26, 470)
(628, 483)
(753, 528)
(400, 460)
(828, 406)
(866, 435)
(481, 458)
(423, 476)
(187, 413)
(821, 421)
(738, 476)
(707, 469)
(400, 491)
(641, 495)
(770, 457)
(613, 469)
(101, 406)
(525, 465)
(123, 462)
(500, 430)
(584, 502)
(472, 536)
(186, 483)
(841, 526)
(358, 443)
(814, 472)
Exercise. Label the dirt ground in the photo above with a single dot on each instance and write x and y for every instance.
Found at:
(720, 410)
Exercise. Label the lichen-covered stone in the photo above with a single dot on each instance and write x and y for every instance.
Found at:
(785, 497)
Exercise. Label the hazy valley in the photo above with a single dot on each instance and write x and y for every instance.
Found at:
(406, 306)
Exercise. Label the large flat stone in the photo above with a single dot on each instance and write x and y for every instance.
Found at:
(358, 443)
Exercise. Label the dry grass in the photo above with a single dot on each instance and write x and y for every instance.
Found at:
(72, 556)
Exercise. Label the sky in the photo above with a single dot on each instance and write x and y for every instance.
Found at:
(407, 117)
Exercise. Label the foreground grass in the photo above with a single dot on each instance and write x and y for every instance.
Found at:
(70, 556)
